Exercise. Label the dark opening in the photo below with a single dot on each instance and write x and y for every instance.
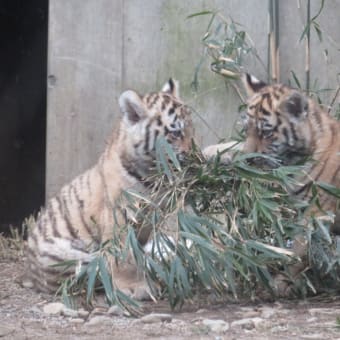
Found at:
(23, 68)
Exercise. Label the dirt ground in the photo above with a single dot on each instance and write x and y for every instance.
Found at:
(22, 316)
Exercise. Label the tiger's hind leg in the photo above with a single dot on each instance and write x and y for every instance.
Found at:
(284, 284)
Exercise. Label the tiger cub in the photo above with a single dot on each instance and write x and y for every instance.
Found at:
(81, 216)
(284, 123)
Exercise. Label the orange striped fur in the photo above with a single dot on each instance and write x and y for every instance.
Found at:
(285, 123)
(80, 217)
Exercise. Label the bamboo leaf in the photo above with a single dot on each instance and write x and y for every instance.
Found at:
(297, 82)
(106, 280)
(200, 14)
(331, 189)
(92, 271)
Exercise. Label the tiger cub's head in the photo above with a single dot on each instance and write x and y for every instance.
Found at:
(276, 123)
(145, 118)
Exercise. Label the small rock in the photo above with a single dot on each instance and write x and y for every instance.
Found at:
(324, 311)
(26, 283)
(115, 310)
(248, 314)
(260, 323)
(70, 312)
(313, 336)
(248, 323)
(98, 311)
(156, 317)
(279, 328)
(218, 326)
(202, 310)
(267, 312)
(54, 308)
(35, 310)
(312, 319)
(83, 313)
(4, 331)
(99, 320)
(77, 321)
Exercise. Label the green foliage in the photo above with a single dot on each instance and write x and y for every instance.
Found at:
(214, 227)
(227, 44)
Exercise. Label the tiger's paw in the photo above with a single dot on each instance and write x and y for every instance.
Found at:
(283, 286)
(224, 151)
(139, 292)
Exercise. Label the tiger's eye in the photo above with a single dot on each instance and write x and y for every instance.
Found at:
(267, 133)
(176, 133)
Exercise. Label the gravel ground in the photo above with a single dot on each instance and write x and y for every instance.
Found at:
(25, 314)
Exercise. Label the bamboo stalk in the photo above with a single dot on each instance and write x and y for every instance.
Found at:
(273, 41)
(307, 47)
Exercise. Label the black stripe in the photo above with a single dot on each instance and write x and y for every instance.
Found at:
(52, 220)
(269, 101)
(276, 95)
(336, 174)
(156, 97)
(318, 120)
(155, 137)
(303, 188)
(147, 137)
(63, 207)
(285, 133)
(165, 102)
(80, 205)
(321, 171)
(265, 112)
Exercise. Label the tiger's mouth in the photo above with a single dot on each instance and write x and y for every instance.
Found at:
(270, 162)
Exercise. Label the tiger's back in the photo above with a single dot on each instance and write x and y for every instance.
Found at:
(81, 217)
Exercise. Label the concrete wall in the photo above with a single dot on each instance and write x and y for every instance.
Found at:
(98, 48)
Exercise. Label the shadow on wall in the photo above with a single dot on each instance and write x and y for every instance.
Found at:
(23, 69)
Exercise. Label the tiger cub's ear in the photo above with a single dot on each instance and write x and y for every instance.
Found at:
(252, 84)
(171, 87)
(296, 104)
(132, 107)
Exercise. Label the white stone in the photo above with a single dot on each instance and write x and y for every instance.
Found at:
(4, 331)
(115, 310)
(77, 321)
(324, 311)
(99, 320)
(70, 312)
(248, 323)
(312, 319)
(267, 312)
(83, 313)
(313, 336)
(218, 326)
(156, 317)
(26, 283)
(54, 308)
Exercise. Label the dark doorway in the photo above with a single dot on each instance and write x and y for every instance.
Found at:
(23, 69)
